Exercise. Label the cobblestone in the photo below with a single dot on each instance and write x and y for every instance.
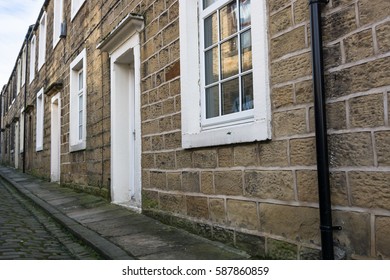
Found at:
(27, 232)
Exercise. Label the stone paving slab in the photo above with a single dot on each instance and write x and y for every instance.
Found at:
(114, 231)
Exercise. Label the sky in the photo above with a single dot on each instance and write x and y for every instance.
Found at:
(15, 18)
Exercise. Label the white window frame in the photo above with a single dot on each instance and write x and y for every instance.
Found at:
(40, 121)
(194, 131)
(24, 56)
(32, 58)
(78, 142)
(19, 76)
(75, 7)
(42, 41)
(57, 21)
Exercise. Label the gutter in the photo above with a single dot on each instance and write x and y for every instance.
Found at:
(325, 204)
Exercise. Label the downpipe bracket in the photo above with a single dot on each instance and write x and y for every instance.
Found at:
(332, 228)
(318, 1)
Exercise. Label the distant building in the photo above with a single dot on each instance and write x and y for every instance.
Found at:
(200, 114)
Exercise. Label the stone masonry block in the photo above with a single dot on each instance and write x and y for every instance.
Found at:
(273, 153)
(282, 96)
(367, 111)
(269, 184)
(281, 250)
(358, 78)
(359, 45)
(371, 11)
(294, 223)
(184, 159)
(383, 147)
(291, 68)
(225, 157)
(246, 155)
(207, 182)
(382, 233)
(173, 203)
(190, 181)
(339, 23)
(281, 20)
(217, 210)
(382, 35)
(206, 158)
(354, 238)
(197, 207)
(304, 92)
(370, 189)
(303, 151)
(275, 5)
(336, 115)
(289, 122)
(301, 11)
(174, 181)
(149, 199)
(158, 180)
(289, 42)
(242, 214)
(228, 182)
(351, 149)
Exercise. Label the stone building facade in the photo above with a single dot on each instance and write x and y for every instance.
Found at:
(200, 114)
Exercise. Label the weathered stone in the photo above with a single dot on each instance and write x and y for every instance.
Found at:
(158, 180)
(242, 214)
(165, 160)
(217, 210)
(228, 182)
(197, 207)
(383, 147)
(382, 36)
(223, 235)
(273, 153)
(282, 96)
(370, 189)
(332, 56)
(303, 151)
(281, 20)
(246, 155)
(382, 233)
(149, 199)
(339, 23)
(190, 181)
(269, 184)
(207, 182)
(183, 159)
(291, 68)
(173, 203)
(304, 92)
(371, 11)
(289, 123)
(359, 45)
(358, 78)
(275, 5)
(367, 111)
(296, 39)
(205, 158)
(336, 115)
(351, 149)
(174, 181)
(281, 250)
(354, 238)
(225, 157)
(294, 223)
(254, 245)
(301, 11)
(306, 253)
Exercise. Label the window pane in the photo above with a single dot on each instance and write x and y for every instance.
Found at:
(210, 30)
(207, 3)
(245, 13)
(81, 102)
(230, 97)
(81, 86)
(247, 92)
(229, 58)
(246, 51)
(212, 102)
(228, 20)
(211, 65)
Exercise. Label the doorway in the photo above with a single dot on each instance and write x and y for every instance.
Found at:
(126, 125)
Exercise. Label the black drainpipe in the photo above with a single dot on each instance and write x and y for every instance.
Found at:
(321, 130)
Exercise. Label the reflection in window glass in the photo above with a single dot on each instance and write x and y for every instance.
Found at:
(212, 71)
(246, 51)
(245, 13)
(229, 58)
(210, 30)
(228, 20)
(247, 92)
(207, 3)
(230, 97)
(212, 102)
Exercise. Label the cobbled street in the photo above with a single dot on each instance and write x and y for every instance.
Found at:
(27, 232)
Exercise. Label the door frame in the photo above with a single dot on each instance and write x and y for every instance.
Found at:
(55, 137)
(126, 124)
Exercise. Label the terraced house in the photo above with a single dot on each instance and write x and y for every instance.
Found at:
(209, 115)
